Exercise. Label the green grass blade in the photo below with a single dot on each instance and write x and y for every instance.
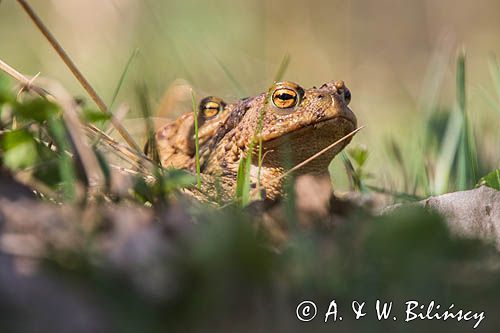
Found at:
(467, 156)
(462, 153)
(352, 177)
(428, 103)
(447, 153)
(257, 133)
(489, 99)
(397, 154)
(397, 195)
(237, 86)
(196, 142)
(260, 159)
(243, 178)
(460, 81)
(435, 76)
(145, 109)
(122, 78)
(66, 168)
(282, 69)
(495, 74)
(290, 200)
(117, 91)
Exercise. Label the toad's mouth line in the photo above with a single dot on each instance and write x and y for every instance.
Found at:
(316, 126)
(323, 122)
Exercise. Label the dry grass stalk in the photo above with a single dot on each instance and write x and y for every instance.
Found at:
(76, 72)
(321, 152)
(313, 157)
(26, 83)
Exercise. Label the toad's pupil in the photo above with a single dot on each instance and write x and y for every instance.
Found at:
(284, 98)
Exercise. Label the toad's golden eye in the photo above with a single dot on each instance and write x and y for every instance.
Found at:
(286, 95)
(210, 107)
(284, 98)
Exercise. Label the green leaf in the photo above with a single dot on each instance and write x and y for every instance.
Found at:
(105, 167)
(19, 149)
(65, 162)
(142, 190)
(6, 95)
(94, 116)
(177, 179)
(39, 110)
(491, 180)
(359, 154)
(4, 84)
(167, 180)
(243, 179)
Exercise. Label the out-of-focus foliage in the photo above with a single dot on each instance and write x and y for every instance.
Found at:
(220, 274)
(35, 140)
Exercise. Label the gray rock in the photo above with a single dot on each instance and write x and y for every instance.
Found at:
(472, 214)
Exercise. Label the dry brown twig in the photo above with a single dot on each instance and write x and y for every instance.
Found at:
(78, 75)
(26, 83)
(88, 158)
(120, 114)
(120, 150)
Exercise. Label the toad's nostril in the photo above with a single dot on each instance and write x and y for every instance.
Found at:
(347, 95)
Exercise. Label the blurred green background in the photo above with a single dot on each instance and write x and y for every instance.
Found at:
(397, 57)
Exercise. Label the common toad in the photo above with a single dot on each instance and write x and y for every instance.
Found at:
(291, 122)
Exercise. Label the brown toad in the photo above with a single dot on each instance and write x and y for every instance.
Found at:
(292, 123)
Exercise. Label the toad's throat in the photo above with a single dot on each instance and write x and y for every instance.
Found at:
(298, 145)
